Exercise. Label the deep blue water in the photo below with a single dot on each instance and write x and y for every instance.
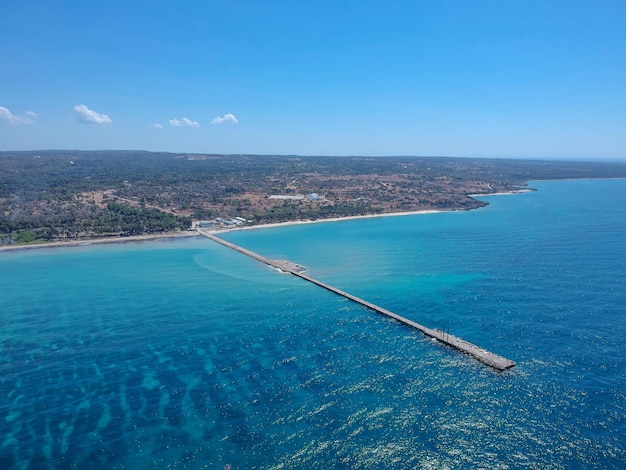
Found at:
(184, 354)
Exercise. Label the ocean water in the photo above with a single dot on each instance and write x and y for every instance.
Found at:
(181, 353)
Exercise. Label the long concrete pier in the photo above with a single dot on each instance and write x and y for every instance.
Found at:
(486, 357)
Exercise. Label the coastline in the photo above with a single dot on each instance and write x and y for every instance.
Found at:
(332, 219)
(100, 241)
(193, 233)
(505, 193)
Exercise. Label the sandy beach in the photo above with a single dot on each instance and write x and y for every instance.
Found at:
(332, 219)
(95, 241)
(509, 193)
(192, 233)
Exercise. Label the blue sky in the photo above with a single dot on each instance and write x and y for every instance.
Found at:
(539, 79)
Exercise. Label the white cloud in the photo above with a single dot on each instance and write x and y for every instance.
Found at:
(226, 118)
(88, 116)
(185, 122)
(157, 125)
(6, 115)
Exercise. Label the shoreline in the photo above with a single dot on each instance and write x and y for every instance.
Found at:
(332, 219)
(100, 241)
(195, 232)
(505, 193)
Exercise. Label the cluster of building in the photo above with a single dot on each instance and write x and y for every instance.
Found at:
(298, 197)
(234, 222)
(219, 222)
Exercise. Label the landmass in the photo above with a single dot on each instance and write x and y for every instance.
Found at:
(75, 196)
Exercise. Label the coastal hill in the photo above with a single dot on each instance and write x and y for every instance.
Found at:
(70, 195)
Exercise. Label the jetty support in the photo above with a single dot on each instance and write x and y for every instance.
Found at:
(482, 355)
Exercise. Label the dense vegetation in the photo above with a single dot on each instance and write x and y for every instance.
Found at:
(56, 195)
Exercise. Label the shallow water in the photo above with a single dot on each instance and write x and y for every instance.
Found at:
(184, 354)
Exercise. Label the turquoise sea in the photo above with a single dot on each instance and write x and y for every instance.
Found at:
(181, 353)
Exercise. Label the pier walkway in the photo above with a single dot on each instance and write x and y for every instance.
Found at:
(482, 355)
